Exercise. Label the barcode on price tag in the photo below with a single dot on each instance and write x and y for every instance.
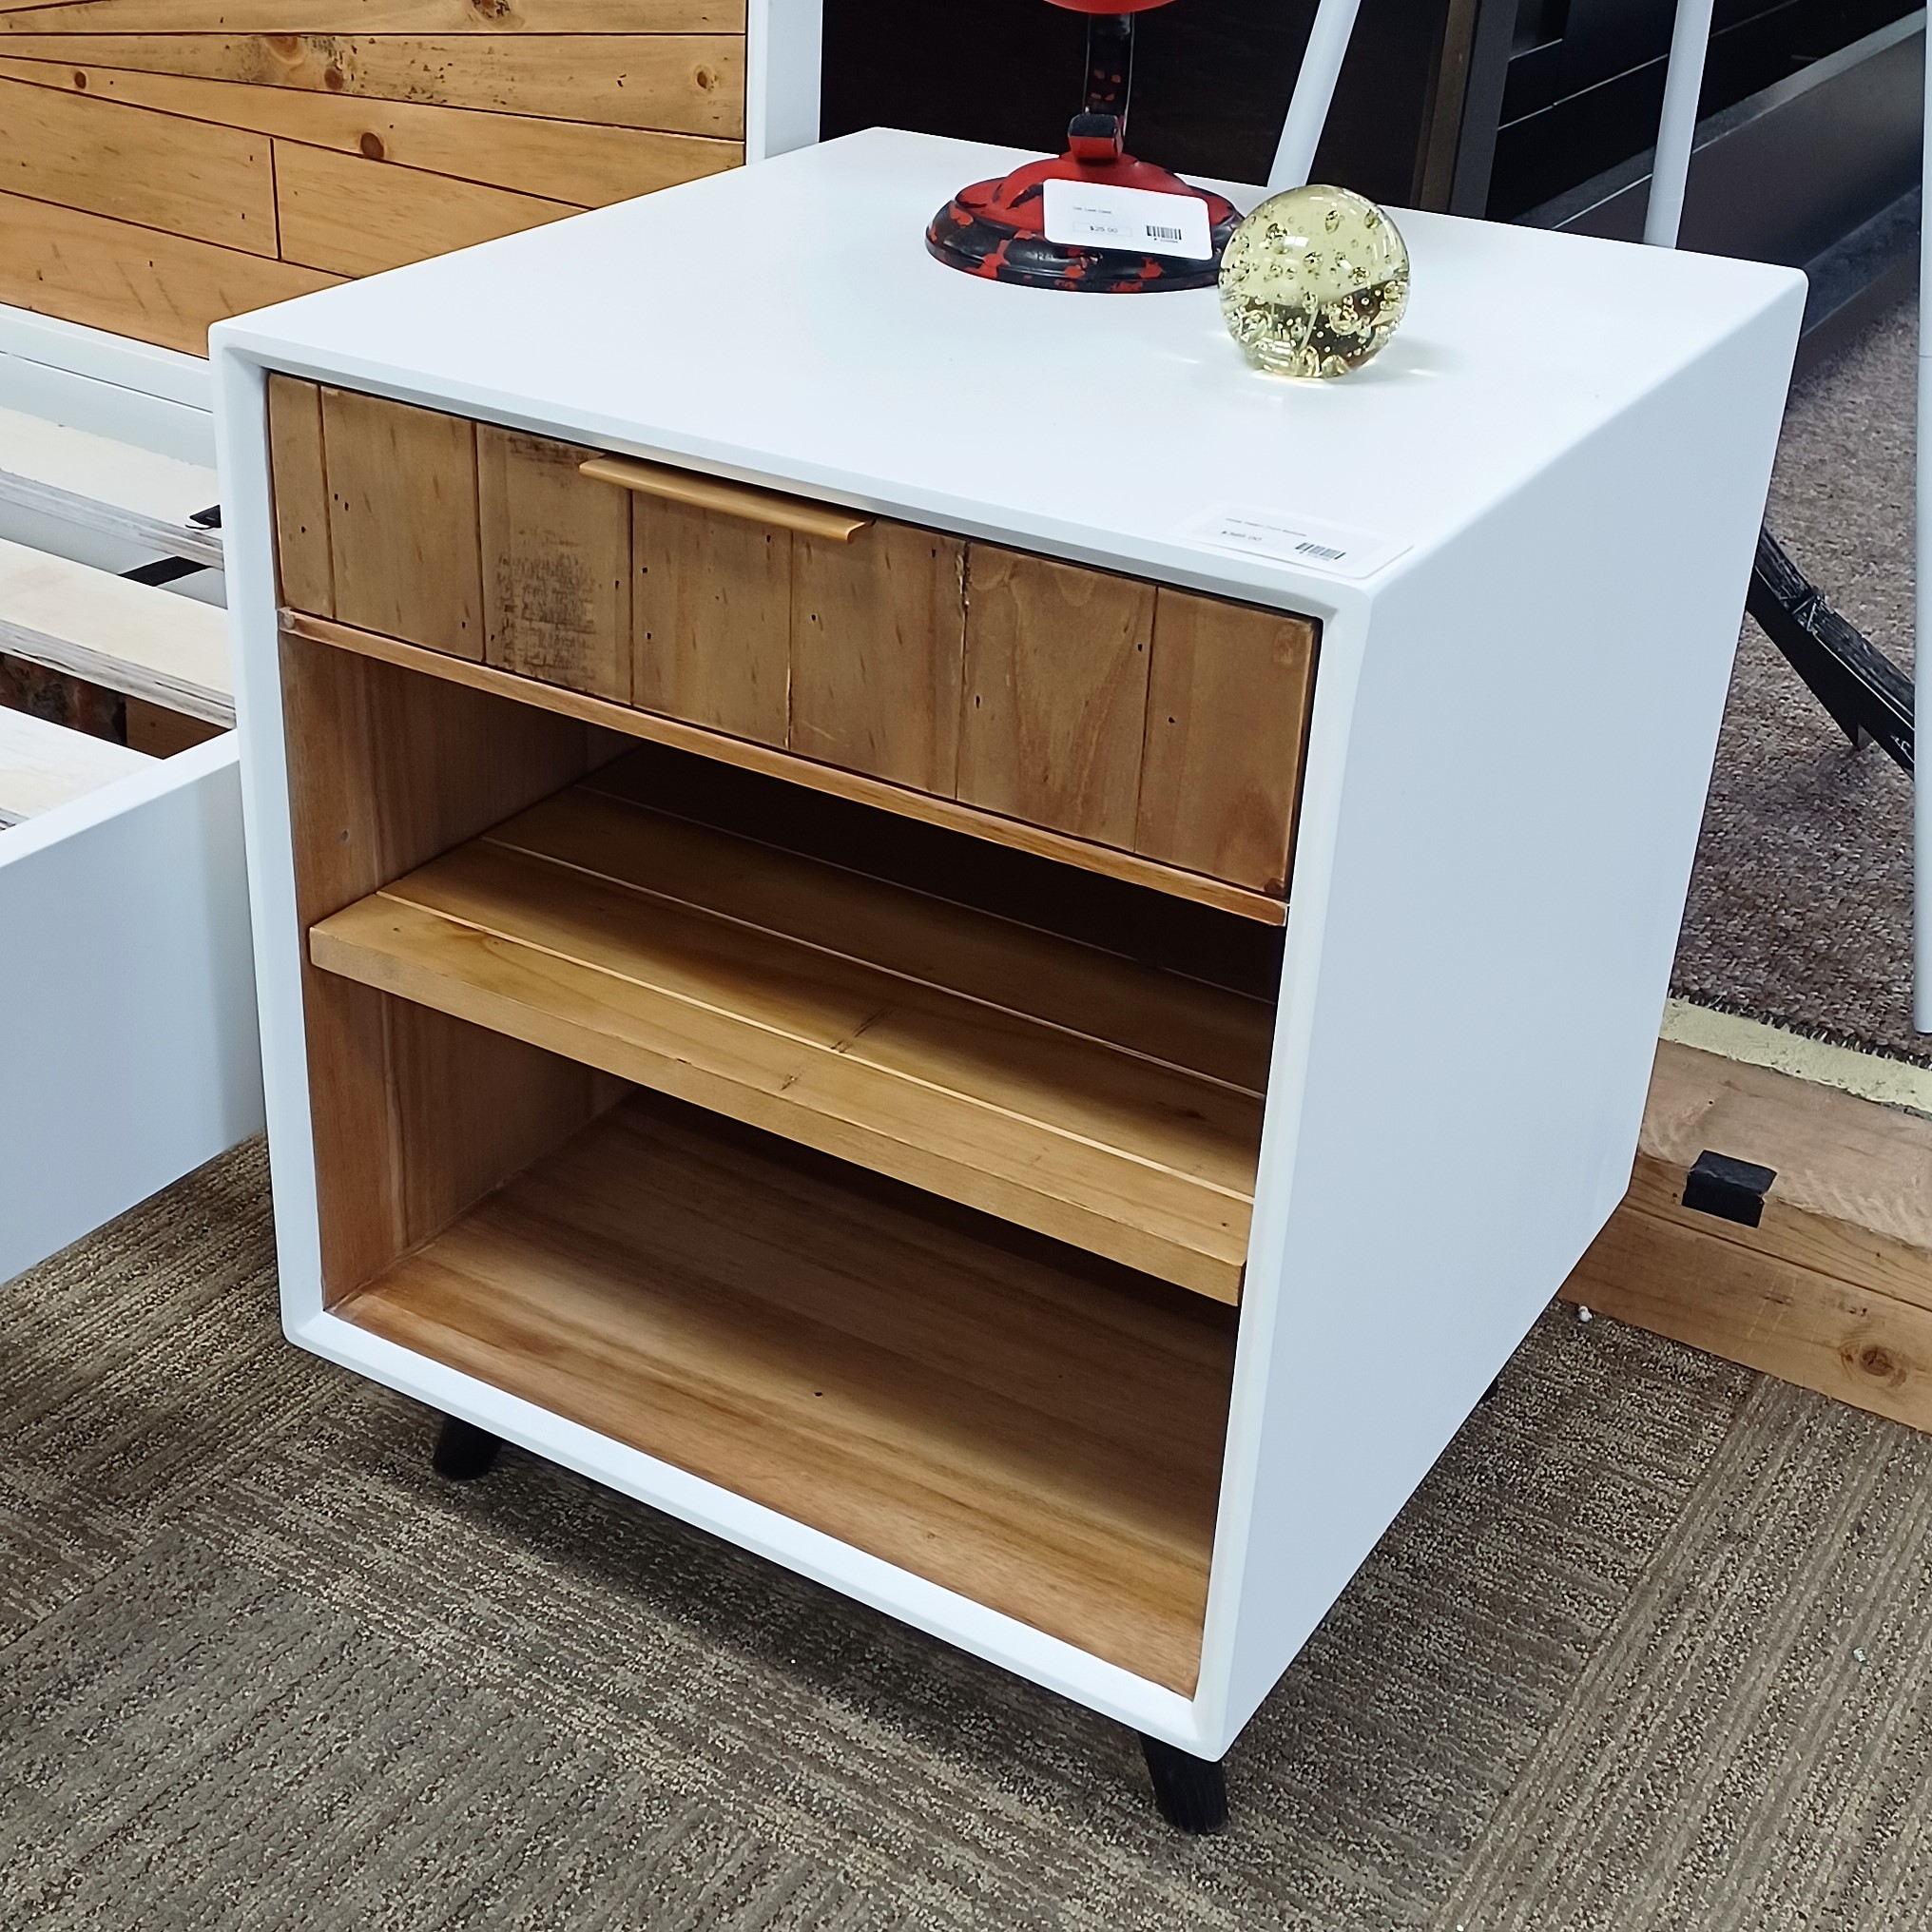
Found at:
(1285, 538)
(1094, 215)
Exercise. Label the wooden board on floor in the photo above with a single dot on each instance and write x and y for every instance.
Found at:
(101, 484)
(1833, 1290)
(161, 733)
(133, 638)
(968, 1408)
(43, 765)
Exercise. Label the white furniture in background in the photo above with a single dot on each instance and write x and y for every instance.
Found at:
(1524, 534)
(127, 1035)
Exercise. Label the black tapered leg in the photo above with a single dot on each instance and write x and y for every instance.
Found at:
(464, 1452)
(1191, 1792)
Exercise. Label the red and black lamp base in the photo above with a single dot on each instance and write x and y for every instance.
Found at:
(997, 230)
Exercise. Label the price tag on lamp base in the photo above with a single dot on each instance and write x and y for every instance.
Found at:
(1094, 215)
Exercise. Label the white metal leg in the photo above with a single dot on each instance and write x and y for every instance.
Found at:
(1677, 125)
(1314, 90)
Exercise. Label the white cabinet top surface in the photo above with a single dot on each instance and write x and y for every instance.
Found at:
(783, 322)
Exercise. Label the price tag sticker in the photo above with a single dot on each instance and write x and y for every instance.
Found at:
(1094, 215)
(1283, 538)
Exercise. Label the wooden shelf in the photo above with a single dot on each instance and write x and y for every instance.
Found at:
(1106, 1104)
(1038, 1431)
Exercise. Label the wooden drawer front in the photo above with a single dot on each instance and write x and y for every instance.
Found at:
(1072, 710)
(402, 521)
(878, 633)
(711, 613)
(1228, 696)
(557, 565)
(1055, 709)
(305, 578)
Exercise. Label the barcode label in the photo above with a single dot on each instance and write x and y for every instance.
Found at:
(1095, 215)
(1283, 538)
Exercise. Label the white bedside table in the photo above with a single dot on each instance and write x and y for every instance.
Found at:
(998, 959)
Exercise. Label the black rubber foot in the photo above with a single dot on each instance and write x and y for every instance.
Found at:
(1191, 1792)
(464, 1452)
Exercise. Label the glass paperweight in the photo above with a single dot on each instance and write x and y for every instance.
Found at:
(1314, 282)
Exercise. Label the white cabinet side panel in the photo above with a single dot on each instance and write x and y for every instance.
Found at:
(783, 59)
(242, 434)
(1494, 894)
(128, 1043)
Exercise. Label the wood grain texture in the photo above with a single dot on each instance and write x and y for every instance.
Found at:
(1044, 1440)
(133, 638)
(1125, 866)
(135, 281)
(44, 765)
(379, 16)
(1055, 709)
(213, 185)
(1228, 696)
(556, 565)
(682, 84)
(98, 483)
(359, 217)
(560, 160)
(667, 954)
(1833, 1290)
(414, 1115)
(162, 733)
(878, 641)
(496, 951)
(711, 612)
(403, 541)
(302, 494)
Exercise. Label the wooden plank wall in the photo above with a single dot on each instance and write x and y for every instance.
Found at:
(166, 163)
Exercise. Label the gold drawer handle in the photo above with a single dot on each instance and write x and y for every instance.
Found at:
(729, 499)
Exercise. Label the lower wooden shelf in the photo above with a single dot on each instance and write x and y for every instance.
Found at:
(1038, 1430)
(1103, 1102)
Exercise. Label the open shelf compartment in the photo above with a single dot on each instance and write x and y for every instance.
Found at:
(1109, 1104)
(1036, 1429)
(537, 978)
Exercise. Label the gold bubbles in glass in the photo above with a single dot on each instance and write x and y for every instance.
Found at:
(1314, 282)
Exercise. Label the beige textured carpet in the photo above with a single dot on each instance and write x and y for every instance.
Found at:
(1647, 1650)
(1801, 905)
